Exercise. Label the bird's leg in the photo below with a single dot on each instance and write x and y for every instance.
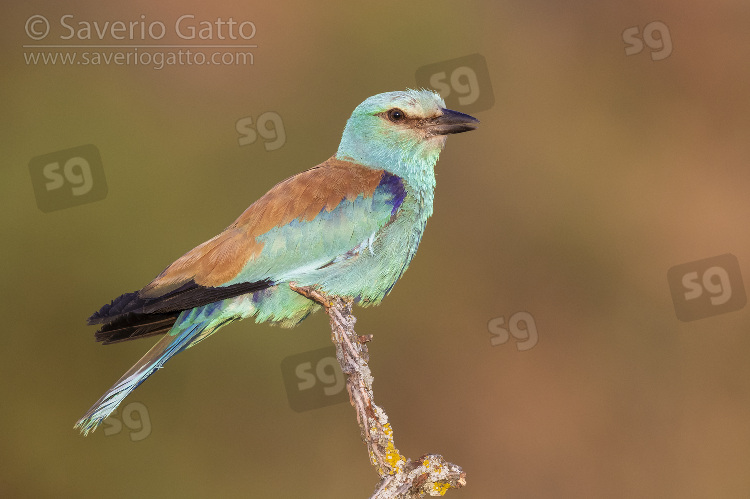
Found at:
(400, 477)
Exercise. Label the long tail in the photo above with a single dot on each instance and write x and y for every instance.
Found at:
(191, 327)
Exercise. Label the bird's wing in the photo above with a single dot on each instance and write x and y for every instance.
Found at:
(316, 218)
(305, 222)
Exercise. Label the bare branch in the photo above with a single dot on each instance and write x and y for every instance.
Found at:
(400, 477)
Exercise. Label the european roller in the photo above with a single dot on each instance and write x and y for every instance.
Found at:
(348, 227)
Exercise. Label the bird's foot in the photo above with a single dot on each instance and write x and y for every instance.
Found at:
(312, 293)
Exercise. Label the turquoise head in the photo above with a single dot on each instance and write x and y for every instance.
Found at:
(403, 133)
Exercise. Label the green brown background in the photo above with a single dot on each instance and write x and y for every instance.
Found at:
(593, 174)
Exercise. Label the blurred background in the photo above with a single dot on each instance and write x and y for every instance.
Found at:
(536, 340)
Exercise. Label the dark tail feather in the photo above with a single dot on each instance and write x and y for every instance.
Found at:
(125, 319)
(134, 326)
(122, 305)
(129, 316)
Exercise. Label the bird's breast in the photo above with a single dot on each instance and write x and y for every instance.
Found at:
(370, 270)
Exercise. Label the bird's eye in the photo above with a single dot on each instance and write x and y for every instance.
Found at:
(396, 115)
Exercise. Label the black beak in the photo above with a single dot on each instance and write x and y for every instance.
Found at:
(451, 122)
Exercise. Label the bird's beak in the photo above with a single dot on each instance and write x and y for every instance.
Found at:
(451, 122)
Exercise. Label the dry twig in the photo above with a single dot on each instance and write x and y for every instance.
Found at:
(400, 477)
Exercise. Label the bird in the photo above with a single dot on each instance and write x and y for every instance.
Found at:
(348, 227)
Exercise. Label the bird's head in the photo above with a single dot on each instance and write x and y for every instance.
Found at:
(402, 132)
